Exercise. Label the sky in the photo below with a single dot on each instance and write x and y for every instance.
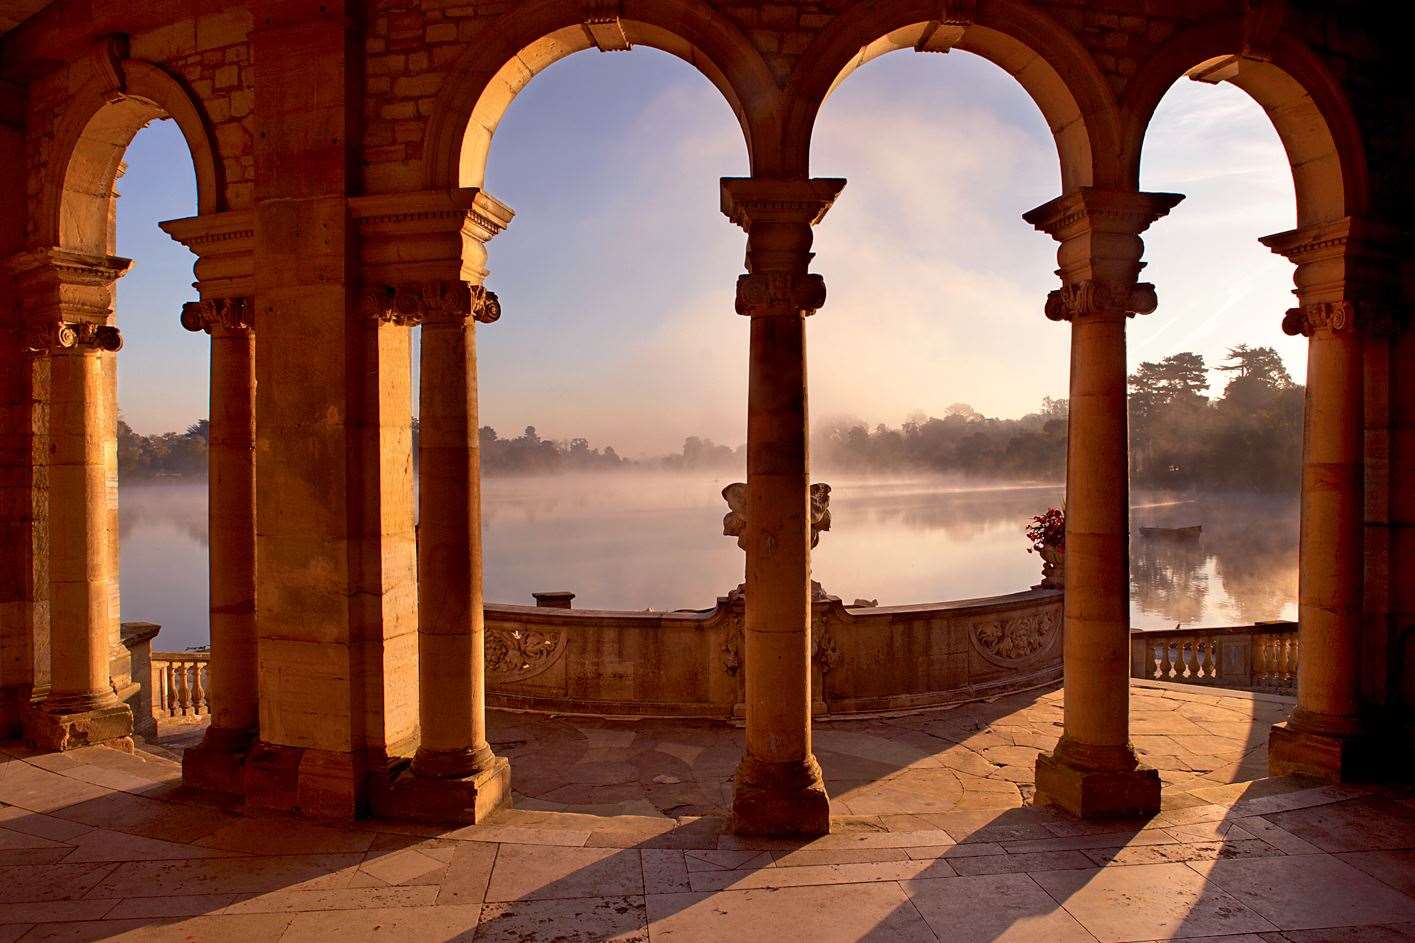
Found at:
(616, 278)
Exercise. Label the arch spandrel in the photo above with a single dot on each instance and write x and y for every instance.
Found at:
(90, 138)
(1055, 69)
(512, 49)
(1302, 99)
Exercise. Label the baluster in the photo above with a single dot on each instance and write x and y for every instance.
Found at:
(1151, 647)
(1166, 665)
(184, 688)
(172, 694)
(1189, 656)
(1290, 674)
(1210, 661)
(198, 690)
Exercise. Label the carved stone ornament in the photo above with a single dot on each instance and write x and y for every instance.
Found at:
(233, 314)
(825, 652)
(67, 335)
(734, 523)
(521, 653)
(1372, 318)
(109, 51)
(1091, 298)
(1011, 641)
(761, 293)
(413, 303)
(603, 26)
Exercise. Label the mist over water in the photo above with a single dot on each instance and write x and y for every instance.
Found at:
(643, 540)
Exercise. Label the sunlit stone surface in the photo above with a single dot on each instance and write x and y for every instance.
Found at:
(618, 832)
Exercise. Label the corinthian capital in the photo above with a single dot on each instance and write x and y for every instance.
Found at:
(232, 314)
(1096, 298)
(443, 301)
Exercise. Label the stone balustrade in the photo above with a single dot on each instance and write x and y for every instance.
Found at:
(691, 663)
(1260, 657)
(179, 684)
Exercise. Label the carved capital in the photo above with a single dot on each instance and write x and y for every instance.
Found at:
(413, 303)
(748, 201)
(69, 335)
(1094, 298)
(1369, 318)
(233, 314)
(767, 293)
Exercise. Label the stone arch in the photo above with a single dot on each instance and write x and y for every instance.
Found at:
(509, 51)
(1302, 99)
(1052, 65)
(96, 128)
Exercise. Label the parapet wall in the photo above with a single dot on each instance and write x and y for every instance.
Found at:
(690, 664)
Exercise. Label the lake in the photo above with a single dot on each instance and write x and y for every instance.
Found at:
(646, 541)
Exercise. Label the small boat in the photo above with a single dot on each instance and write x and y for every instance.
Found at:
(1191, 532)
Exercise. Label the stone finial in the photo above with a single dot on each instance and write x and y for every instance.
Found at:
(233, 314)
(734, 524)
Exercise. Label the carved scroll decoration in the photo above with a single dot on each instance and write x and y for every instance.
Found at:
(521, 653)
(1093, 297)
(1369, 317)
(233, 314)
(414, 303)
(734, 523)
(67, 335)
(1011, 641)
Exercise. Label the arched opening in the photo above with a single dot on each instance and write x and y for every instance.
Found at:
(936, 462)
(80, 322)
(612, 165)
(1216, 393)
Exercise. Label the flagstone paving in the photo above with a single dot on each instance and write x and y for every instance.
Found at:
(618, 834)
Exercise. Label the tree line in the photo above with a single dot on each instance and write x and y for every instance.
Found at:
(1247, 438)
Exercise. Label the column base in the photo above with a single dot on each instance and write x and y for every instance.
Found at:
(218, 761)
(1336, 757)
(466, 800)
(56, 731)
(1097, 793)
(317, 783)
(781, 799)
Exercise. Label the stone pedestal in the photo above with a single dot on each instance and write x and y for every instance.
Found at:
(787, 799)
(1098, 793)
(1293, 750)
(465, 800)
(54, 729)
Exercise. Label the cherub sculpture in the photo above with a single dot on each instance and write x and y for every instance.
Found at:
(734, 524)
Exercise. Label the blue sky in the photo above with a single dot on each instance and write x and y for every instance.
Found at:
(616, 277)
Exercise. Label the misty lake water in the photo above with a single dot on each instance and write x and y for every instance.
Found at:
(643, 541)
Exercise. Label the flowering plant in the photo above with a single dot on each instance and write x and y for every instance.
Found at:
(1047, 530)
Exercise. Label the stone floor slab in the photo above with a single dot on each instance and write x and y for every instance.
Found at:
(525, 872)
(842, 914)
(1299, 892)
(1148, 902)
(575, 920)
(1016, 910)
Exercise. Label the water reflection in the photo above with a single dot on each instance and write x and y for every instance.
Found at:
(640, 541)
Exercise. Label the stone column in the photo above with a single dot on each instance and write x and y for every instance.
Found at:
(1340, 308)
(779, 788)
(70, 299)
(424, 263)
(1094, 771)
(216, 762)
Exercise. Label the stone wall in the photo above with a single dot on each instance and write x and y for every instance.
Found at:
(689, 663)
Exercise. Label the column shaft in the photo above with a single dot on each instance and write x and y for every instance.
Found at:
(451, 657)
(231, 528)
(778, 628)
(83, 575)
(1097, 607)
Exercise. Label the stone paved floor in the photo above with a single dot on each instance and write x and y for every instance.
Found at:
(617, 835)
